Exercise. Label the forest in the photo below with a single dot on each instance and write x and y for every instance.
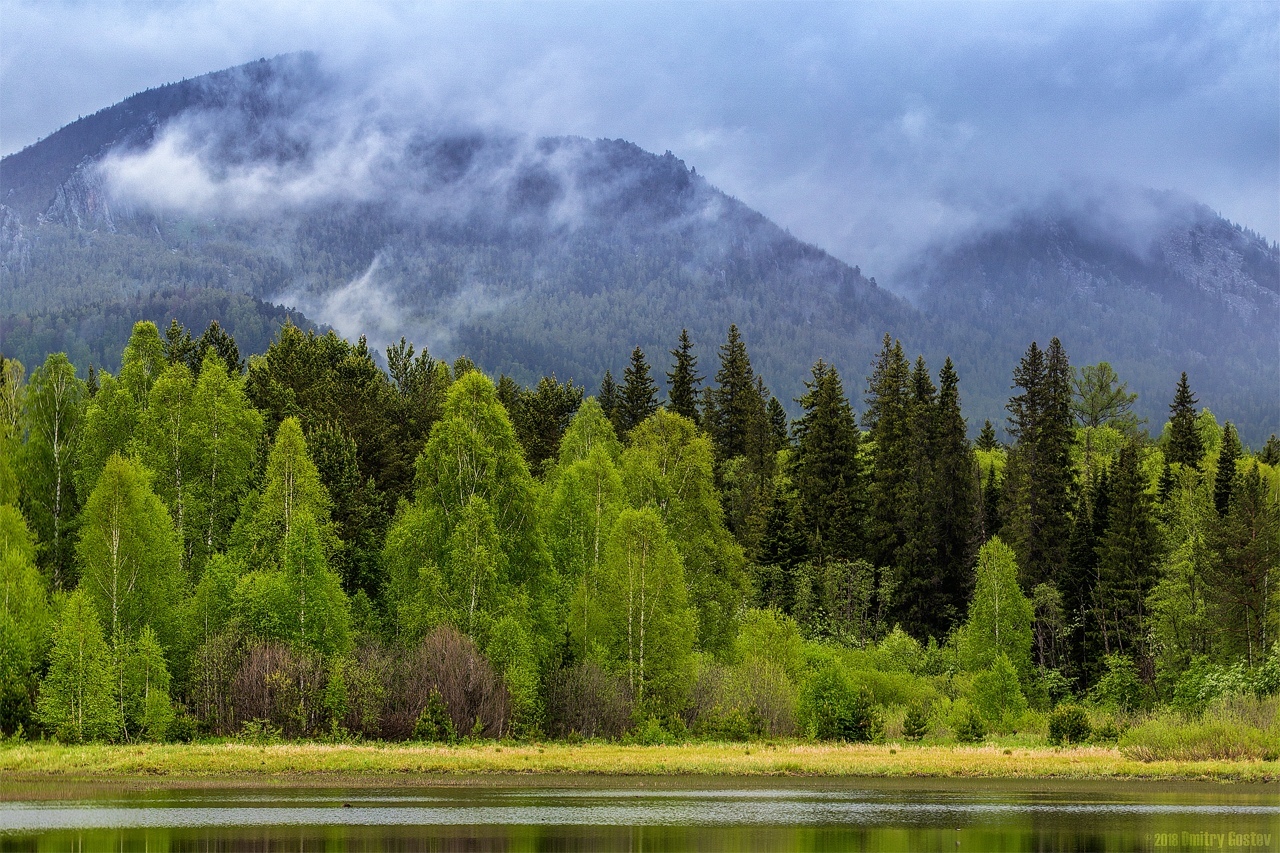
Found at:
(302, 543)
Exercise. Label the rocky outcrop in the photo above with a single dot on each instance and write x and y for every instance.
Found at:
(15, 246)
(81, 202)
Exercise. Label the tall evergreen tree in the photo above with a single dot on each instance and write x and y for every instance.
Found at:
(987, 437)
(1224, 482)
(609, 396)
(1127, 560)
(1241, 587)
(1184, 443)
(779, 429)
(826, 469)
(957, 504)
(917, 581)
(1040, 474)
(887, 417)
(1101, 399)
(735, 401)
(683, 379)
(639, 397)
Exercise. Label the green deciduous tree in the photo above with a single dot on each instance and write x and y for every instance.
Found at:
(129, 555)
(1000, 615)
(648, 624)
(78, 696)
(52, 417)
(669, 467)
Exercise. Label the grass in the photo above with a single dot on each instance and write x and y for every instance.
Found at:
(1231, 729)
(290, 761)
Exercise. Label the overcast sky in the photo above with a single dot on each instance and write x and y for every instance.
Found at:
(867, 128)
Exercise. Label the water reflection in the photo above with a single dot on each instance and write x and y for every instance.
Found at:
(649, 815)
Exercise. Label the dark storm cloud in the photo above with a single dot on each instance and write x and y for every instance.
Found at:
(868, 129)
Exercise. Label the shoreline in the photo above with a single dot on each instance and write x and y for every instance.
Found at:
(397, 764)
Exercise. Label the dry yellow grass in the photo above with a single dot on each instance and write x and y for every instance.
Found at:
(295, 760)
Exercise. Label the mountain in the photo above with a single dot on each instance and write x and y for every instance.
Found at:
(1151, 282)
(277, 184)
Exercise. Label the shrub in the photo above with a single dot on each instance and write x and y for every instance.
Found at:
(967, 723)
(1234, 729)
(837, 710)
(183, 728)
(756, 693)
(1069, 724)
(916, 724)
(587, 702)
(449, 663)
(1119, 688)
(650, 733)
(434, 725)
(997, 693)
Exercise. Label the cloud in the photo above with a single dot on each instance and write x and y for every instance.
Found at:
(869, 129)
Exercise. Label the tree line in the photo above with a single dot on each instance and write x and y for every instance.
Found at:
(306, 543)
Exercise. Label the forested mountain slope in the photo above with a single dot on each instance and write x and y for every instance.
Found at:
(279, 182)
(1186, 290)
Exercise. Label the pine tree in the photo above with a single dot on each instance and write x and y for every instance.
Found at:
(826, 469)
(223, 347)
(684, 379)
(1184, 444)
(1101, 399)
(1224, 482)
(639, 397)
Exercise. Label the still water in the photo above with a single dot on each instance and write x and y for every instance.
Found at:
(646, 815)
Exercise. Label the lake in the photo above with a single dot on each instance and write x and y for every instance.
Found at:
(646, 814)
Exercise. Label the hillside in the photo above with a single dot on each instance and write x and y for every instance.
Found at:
(282, 185)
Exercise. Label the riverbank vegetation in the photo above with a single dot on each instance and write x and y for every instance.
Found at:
(310, 546)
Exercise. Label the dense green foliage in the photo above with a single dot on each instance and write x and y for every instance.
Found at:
(306, 543)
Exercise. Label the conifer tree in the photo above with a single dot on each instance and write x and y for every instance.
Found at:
(826, 469)
(1040, 476)
(734, 402)
(956, 505)
(888, 418)
(1101, 399)
(609, 396)
(639, 397)
(1225, 480)
(1241, 588)
(1127, 559)
(987, 437)
(683, 379)
(779, 428)
(222, 346)
(1184, 444)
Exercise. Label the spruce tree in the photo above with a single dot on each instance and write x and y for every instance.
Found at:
(1184, 444)
(887, 417)
(1127, 559)
(1241, 588)
(987, 437)
(778, 423)
(826, 469)
(639, 397)
(683, 379)
(608, 397)
(1225, 480)
(917, 581)
(956, 503)
(734, 401)
(1040, 473)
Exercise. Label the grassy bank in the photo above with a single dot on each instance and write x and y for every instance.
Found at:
(292, 760)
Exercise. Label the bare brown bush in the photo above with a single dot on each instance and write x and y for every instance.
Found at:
(449, 662)
(280, 686)
(586, 701)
